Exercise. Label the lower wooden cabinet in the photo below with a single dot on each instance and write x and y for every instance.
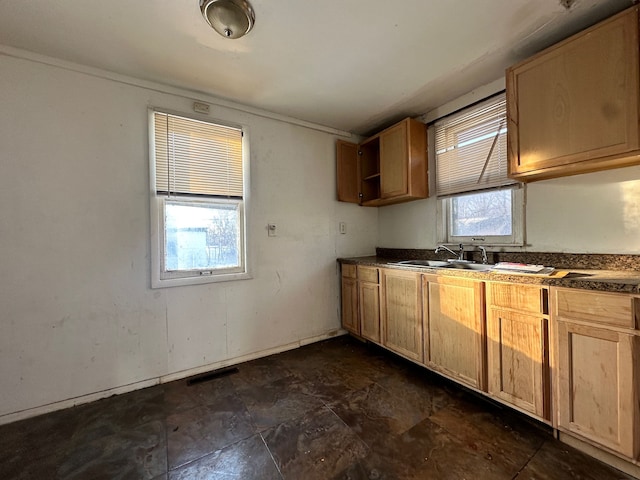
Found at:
(455, 328)
(369, 303)
(349, 289)
(597, 370)
(517, 346)
(567, 356)
(401, 313)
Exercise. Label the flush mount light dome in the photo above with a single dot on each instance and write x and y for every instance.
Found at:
(230, 18)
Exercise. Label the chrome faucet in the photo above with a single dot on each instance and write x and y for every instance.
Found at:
(485, 259)
(460, 253)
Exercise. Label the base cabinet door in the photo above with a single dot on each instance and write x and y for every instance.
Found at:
(350, 320)
(597, 387)
(369, 297)
(401, 313)
(456, 329)
(517, 360)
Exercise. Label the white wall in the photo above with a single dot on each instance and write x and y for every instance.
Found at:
(77, 313)
(589, 213)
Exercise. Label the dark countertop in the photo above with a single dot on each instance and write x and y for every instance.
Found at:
(623, 281)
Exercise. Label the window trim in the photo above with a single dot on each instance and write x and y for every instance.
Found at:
(518, 207)
(158, 278)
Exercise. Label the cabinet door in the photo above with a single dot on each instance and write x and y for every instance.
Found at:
(348, 172)
(401, 313)
(370, 311)
(394, 161)
(596, 385)
(576, 101)
(516, 360)
(350, 305)
(456, 329)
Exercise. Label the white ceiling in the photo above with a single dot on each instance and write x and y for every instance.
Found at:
(354, 65)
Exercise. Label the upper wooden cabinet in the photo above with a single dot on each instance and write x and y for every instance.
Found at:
(574, 107)
(390, 167)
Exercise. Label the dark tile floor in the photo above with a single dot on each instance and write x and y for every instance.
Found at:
(338, 409)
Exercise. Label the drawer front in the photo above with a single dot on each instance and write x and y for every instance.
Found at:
(524, 298)
(368, 274)
(615, 309)
(348, 271)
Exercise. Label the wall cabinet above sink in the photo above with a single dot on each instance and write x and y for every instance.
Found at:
(390, 167)
(574, 107)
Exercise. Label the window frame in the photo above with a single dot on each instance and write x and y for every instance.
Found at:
(444, 202)
(516, 239)
(160, 277)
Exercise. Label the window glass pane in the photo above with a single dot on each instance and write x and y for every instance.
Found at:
(482, 214)
(201, 236)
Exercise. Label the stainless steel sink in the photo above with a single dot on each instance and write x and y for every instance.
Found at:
(424, 263)
(462, 265)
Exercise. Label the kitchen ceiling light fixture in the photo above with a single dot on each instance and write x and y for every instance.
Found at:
(230, 18)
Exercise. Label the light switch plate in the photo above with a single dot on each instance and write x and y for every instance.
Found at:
(272, 229)
(343, 227)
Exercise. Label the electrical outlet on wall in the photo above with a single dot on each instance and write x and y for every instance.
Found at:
(343, 227)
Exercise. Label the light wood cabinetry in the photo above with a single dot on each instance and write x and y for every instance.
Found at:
(369, 302)
(597, 367)
(361, 301)
(390, 167)
(401, 313)
(574, 107)
(517, 346)
(350, 299)
(455, 326)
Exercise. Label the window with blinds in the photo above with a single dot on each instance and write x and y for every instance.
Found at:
(471, 149)
(198, 201)
(477, 202)
(197, 158)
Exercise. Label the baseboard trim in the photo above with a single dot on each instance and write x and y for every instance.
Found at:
(92, 397)
(625, 466)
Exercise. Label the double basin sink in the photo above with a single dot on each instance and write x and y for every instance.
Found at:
(459, 264)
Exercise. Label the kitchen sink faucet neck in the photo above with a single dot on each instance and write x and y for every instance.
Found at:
(459, 255)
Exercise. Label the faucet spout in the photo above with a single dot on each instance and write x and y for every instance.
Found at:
(459, 255)
(485, 259)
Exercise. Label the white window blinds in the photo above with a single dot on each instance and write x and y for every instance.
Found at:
(471, 149)
(194, 157)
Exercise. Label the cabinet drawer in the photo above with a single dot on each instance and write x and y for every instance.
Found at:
(349, 271)
(615, 309)
(368, 274)
(524, 298)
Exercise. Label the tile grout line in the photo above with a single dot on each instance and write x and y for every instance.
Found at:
(271, 455)
(529, 460)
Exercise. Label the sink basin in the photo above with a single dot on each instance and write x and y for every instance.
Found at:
(472, 266)
(425, 263)
(442, 264)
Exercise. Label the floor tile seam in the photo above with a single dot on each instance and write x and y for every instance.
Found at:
(543, 443)
(182, 465)
(366, 444)
(166, 449)
(264, 442)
